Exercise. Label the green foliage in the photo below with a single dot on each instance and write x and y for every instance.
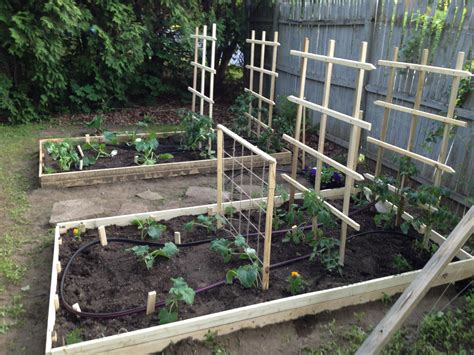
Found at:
(180, 292)
(143, 253)
(295, 235)
(246, 274)
(149, 227)
(198, 132)
(313, 204)
(96, 123)
(296, 283)
(64, 153)
(227, 248)
(74, 336)
(207, 222)
(325, 249)
(401, 264)
(210, 340)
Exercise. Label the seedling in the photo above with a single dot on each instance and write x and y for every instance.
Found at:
(64, 153)
(207, 222)
(325, 249)
(74, 336)
(100, 150)
(149, 227)
(180, 292)
(296, 235)
(143, 253)
(400, 263)
(296, 283)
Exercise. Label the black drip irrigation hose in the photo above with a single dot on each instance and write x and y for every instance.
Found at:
(132, 311)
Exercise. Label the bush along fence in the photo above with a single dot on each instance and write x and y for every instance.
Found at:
(442, 27)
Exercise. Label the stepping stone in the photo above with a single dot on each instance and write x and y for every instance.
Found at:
(205, 194)
(71, 210)
(150, 195)
(131, 208)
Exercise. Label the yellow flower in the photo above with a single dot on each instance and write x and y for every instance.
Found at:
(75, 231)
(295, 274)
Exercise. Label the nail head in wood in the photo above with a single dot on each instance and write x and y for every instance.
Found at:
(151, 303)
(102, 236)
(177, 237)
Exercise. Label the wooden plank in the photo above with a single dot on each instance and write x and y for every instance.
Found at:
(340, 116)
(203, 97)
(203, 67)
(204, 37)
(426, 68)
(260, 84)
(156, 338)
(220, 169)
(263, 42)
(273, 78)
(268, 226)
(260, 97)
(420, 113)
(407, 153)
(450, 114)
(418, 288)
(299, 114)
(203, 72)
(252, 60)
(260, 70)
(247, 144)
(324, 158)
(211, 79)
(323, 119)
(195, 69)
(331, 208)
(255, 119)
(334, 60)
(52, 293)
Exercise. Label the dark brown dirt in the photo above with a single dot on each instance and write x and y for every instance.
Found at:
(111, 279)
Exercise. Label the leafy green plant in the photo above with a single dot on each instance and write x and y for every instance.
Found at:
(145, 147)
(100, 150)
(296, 283)
(207, 222)
(248, 275)
(180, 292)
(143, 253)
(227, 248)
(64, 153)
(295, 235)
(149, 227)
(325, 249)
(400, 263)
(96, 123)
(74, 336)
(210, 340)
(198, 133)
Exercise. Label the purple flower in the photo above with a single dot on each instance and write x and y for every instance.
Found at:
(336, 177)
(312, 172)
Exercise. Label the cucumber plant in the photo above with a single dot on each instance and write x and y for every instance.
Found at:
(179, 293)
(198, 133)
(144, 253)
(149, 227)
(64, 153)
(207, 222)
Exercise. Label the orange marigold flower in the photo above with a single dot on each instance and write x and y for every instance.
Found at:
(295, 274)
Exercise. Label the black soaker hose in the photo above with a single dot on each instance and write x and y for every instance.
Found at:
(127, 312)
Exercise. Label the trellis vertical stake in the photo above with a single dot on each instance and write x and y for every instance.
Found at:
(260, 82)
(323, 122)
(252, 57)
(220, 171)
(272, 79)
(353, 150)
(150, 303)
(386, 114)
(195, 70)
(203, 71)
(294, 163)
(268, 226)
(450, 114)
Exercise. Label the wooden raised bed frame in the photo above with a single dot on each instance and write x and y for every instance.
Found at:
(156, 338)
(138, 172)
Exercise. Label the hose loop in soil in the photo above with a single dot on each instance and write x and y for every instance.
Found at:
(132, 311)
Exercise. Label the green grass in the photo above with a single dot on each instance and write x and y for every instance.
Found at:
(17, 150)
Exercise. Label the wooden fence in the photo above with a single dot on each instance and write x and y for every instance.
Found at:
(444, 26)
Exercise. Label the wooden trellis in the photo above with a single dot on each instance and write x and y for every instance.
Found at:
(415, 112)
(203, 68)
(262, 71)
(356, 124)
(262, 178)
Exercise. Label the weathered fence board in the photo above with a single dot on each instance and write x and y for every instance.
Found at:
(384, 24)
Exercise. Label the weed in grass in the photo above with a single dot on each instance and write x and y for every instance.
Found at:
(11, 314)
(211, 342)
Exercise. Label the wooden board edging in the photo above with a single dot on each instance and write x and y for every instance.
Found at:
(139, 172)
(158, 337)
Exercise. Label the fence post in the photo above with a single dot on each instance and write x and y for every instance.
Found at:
(220, 171)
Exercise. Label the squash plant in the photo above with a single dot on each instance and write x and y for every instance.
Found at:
(64, 153)
(149, 227)
(248, 275)
(180, 292)
(142, 252)
(198, 133)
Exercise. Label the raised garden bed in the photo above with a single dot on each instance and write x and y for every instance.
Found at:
(109, 279)
(123, 168)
